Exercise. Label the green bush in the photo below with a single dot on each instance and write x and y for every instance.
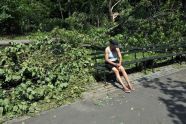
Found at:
(50, 24)
(77, 21)
(45, 70)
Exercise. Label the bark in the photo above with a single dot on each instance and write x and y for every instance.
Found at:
(69, 7)
(111, 6)
(110, 10)
(98, 21)
(184, 5)
(60, 8)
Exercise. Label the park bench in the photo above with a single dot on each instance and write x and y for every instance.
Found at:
(158, 52)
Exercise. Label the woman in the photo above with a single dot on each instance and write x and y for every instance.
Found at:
(113, 60)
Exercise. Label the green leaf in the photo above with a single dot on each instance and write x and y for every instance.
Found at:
(51, 86)
(2, 71)
(47, 79)
(6, 101)
(63, 85)
(15, 108)
(33, 74)
(34, 104)
(16, 77)
(29, 90)
(30, 97)
(23, 86)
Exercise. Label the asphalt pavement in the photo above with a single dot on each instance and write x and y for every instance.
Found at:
(160, 100)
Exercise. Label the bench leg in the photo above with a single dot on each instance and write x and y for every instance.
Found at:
(180, 59)
(144, 66)
(104, 76)
(153, 66)
(172, 58)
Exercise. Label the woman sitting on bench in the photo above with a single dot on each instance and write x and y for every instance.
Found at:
(113, 61)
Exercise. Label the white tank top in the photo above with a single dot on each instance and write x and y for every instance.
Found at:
(113, 56)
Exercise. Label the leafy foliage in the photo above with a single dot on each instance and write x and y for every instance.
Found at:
(44, 70)
(150, 22)
(56, 67)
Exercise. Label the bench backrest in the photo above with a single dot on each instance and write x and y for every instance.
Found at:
(132, 53)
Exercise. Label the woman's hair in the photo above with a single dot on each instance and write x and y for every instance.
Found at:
(113, 42)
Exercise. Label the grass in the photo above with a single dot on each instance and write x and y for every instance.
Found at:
(23, 37)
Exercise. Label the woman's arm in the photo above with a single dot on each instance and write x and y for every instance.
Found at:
(119, 55)
(107, 58)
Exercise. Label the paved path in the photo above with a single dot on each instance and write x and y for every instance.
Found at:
(157, 100)
(7, 42)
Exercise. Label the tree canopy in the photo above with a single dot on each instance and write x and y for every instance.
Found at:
(23, 16)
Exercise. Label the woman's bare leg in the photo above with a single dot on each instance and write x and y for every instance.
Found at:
(116, 71)
(121, 68)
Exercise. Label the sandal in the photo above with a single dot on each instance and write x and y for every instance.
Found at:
(126, 91)
(130, 88)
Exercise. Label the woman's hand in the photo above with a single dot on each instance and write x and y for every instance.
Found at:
(118, 65)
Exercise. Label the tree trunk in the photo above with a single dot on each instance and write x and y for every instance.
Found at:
(98, 21)
(110, 10)
(69, 7)
(60, 8)
(184, 5)
(112, 15)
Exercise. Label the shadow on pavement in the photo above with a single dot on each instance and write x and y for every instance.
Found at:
(172, 94)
